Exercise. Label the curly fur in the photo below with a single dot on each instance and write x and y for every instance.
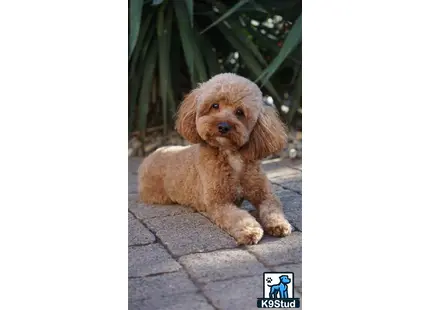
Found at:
(219, 169)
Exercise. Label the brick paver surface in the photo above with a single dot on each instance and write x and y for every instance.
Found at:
(178, 259)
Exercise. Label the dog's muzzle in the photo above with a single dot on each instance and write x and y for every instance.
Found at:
(223, 127)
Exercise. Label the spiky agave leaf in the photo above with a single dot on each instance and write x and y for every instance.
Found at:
(292, 40)
(134, 23)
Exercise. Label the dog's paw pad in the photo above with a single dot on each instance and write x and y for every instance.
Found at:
(249, 235)
(279, 229)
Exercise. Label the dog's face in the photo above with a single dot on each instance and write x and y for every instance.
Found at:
(284, 279)
(227, 112)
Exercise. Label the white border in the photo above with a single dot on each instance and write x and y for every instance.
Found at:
(63, 165)
(366, 155)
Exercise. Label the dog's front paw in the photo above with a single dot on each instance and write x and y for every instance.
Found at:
(250, 234)
(278, 228)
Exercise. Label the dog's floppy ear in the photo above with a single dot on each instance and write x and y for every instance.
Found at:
(268, 136)
(186, 118)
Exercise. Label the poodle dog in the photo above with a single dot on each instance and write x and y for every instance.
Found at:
(230, 131)
(281, 288)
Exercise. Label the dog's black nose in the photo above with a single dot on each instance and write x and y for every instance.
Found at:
(223, 127)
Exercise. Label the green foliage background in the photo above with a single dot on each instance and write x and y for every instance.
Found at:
(175, 44)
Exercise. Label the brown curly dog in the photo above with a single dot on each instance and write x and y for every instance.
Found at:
(231, 131)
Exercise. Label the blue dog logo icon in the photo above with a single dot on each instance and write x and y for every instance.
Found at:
(280, 290)
(278, 294)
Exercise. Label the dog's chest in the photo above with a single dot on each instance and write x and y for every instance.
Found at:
(235, 163)
(237, 168)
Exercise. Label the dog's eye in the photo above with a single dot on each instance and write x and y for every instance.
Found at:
(239, 112)
(215, 106)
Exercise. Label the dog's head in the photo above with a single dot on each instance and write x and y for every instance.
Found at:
(284, 279)
(227, 112)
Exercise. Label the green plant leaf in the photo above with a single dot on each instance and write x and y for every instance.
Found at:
(164, 35)
(135, 79)
(135, 15)
(145, 90)
(232, 10)
(242, 34)
(186, 33)
(176, 59)
(160, 21)
(250, 61)
(198, 58)
(292, 40)
(145, 36)
(172, 102)
(263, 40)
(213, 66)
(297, 97)
(190, 8)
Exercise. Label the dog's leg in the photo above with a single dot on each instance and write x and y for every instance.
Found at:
(282, 291)
(238, 223)
(258, 191)
(272, 293)
(275, 291)
(272, 216)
